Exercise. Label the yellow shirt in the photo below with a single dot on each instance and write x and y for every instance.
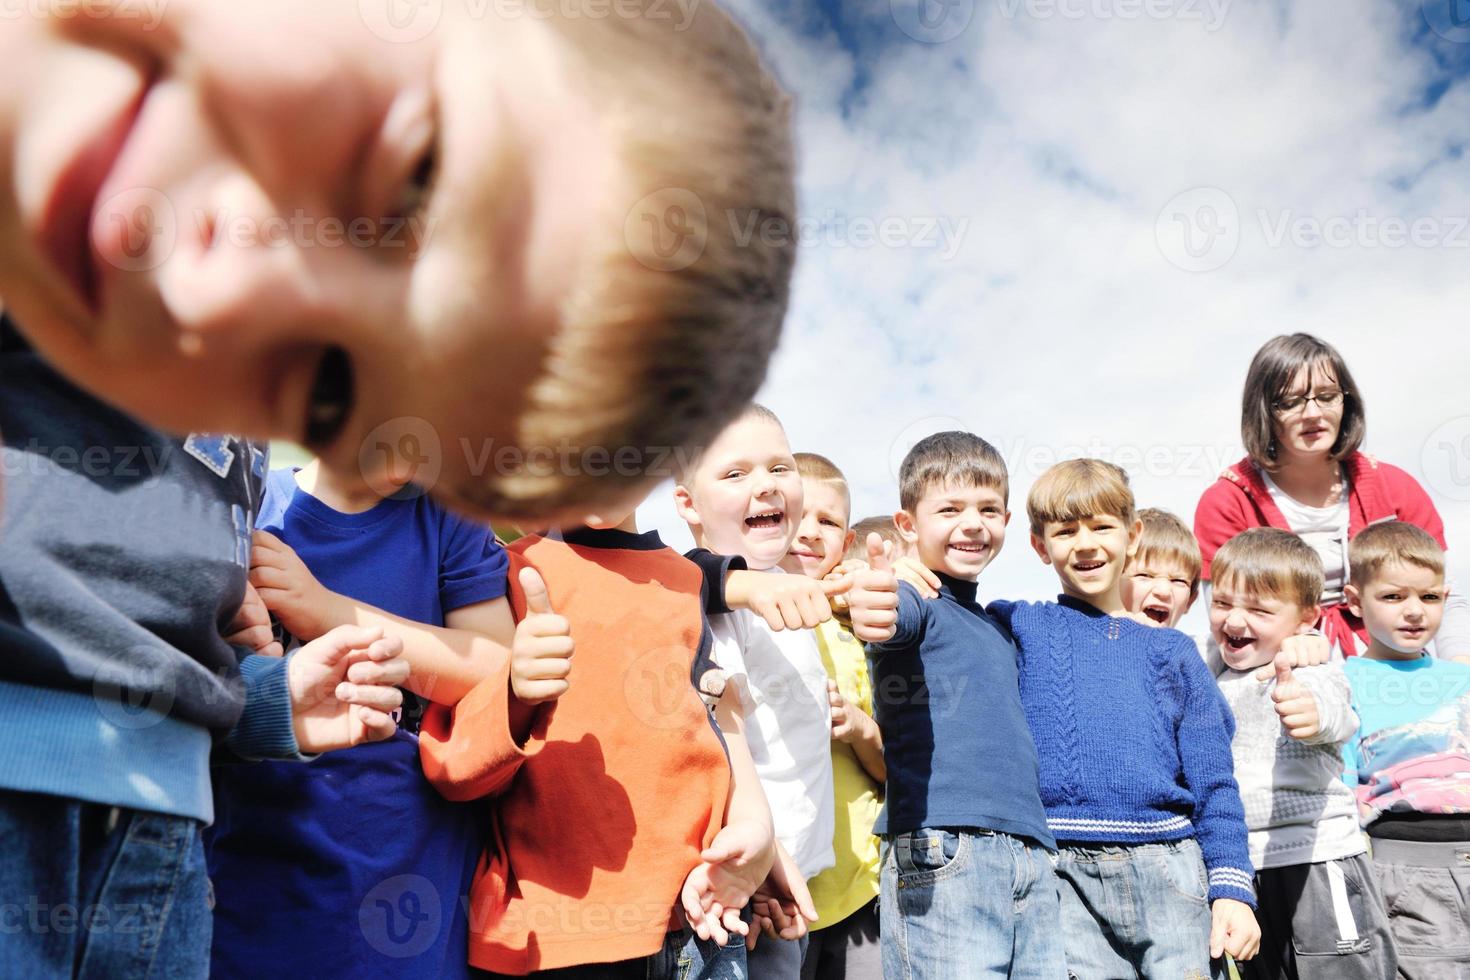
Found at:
(853, 882)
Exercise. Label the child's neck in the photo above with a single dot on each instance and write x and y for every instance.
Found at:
(341, 496)
(1377, 651)
(1109, 603)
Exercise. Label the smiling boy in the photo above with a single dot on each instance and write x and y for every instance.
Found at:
(1133, 739)
(203, 218)
(967, 886)
(743, 497)
(1320, 912)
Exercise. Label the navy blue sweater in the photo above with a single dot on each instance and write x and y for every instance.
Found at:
(954, 736)
(1133, 735)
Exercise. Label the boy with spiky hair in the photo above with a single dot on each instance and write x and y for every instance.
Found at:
(967, 886)
(1133, 738)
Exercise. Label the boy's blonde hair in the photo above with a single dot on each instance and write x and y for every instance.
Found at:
(1378, 545)
(813, 466)
(883, 525)
(1078, 488)
(951, 457)
(1270, 562)
(657, 351)
(1167, 540)
(686, 463)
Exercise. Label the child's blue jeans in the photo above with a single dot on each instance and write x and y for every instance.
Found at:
(93, 891)
(1139, 910)
(684, 957)
(961, 904)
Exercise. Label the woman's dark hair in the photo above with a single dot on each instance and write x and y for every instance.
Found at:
(1271, 373)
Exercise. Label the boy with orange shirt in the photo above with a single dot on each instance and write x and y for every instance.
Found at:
(631, 828)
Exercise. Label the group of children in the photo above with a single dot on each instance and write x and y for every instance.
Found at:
(691, 766)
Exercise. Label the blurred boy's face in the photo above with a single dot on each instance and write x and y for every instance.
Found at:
(822, 536)
(1163, 593)
(200, 199)
(1250, 628)
(745, 496)
(1401, 607)
(957, 530)
(1088, 553)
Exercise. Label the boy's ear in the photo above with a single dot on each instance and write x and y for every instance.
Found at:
(1135, 537)
(1310, 615)
(1007, 521)
(904, 521)
(1353, 599)
(1039, 546)
(684, 504)
(847, 540)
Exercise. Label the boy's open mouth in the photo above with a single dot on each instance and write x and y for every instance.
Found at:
(1412, 632)
(1088, 566)
(1158, 612)
(766, 519)
(969, 547)
(1239, 642)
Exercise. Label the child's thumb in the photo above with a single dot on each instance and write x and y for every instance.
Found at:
(1217, 938)
(1283, 671)
(879, 553)
(723, 848)
(538, 600)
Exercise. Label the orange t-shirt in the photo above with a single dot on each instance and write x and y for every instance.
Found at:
(622, 782)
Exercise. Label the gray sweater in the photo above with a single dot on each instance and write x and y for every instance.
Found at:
(1297, 808)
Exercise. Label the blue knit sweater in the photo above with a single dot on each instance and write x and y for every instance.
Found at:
(954, 736)
(1132, 735)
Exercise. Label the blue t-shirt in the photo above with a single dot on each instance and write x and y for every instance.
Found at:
(352, 865)
(955, 741)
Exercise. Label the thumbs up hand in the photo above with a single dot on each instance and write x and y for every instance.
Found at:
(873, 600)
(1295, 705)
(541, 653)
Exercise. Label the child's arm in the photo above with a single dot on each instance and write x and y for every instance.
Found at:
(475, 748)
(857, 728)
(740, 856)
(785, 602)
(445, 662)
(1205, 730)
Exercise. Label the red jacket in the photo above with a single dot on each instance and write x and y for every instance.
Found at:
(1240, 500)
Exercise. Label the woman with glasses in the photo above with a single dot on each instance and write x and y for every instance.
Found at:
(1302, 423)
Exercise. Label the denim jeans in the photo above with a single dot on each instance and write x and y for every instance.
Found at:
(94, 891)
(1139, 910)
(684, 957)
(967, 904)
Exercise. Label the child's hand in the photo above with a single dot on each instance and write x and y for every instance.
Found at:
(1301, 650)
(849, 722)
(873, 600)
(782, 906)
(912, 571)
(343, 687)
(792, 602)
(251, 627)
(1294, 704)
(735, 864)
(541, 653)
(1233, 930)
(303, 605)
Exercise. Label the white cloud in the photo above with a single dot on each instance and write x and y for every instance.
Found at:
(1059, 324)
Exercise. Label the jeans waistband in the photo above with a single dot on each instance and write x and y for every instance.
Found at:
(1423, 854)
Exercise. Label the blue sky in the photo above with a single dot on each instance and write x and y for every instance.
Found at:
(1068, 224)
